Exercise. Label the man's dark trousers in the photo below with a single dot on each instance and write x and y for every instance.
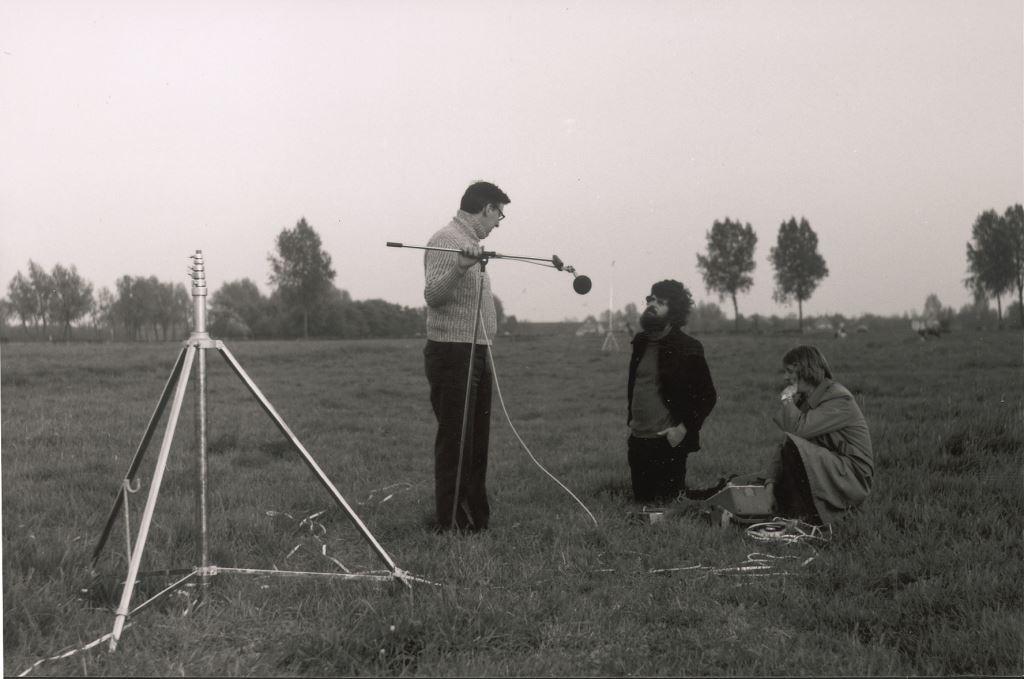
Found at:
(446, 366)
(658, 470)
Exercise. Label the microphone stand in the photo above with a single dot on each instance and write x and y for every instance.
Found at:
(553, 262)
(469, 387)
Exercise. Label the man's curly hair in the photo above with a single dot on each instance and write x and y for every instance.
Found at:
(679, 299)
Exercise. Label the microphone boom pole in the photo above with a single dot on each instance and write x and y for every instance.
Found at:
(487, 253)
(581, 284)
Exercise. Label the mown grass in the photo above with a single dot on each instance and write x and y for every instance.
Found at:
(925, 580)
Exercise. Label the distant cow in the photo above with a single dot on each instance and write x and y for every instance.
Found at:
(926, 327)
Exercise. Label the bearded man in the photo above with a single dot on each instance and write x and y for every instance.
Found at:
(670, 394)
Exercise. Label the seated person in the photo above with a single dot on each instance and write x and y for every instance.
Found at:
(824, 467)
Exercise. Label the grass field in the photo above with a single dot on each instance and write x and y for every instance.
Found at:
(925, 580)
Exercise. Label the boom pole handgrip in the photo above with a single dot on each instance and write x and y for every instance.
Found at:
(392, 244)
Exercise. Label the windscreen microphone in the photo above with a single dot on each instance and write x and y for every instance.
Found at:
(581, 284)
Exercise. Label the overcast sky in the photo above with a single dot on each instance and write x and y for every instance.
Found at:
(134, 133)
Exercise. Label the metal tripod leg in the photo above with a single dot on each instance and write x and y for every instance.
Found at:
(133, 468)
(202, 538)
(154, 491)
(307, 458)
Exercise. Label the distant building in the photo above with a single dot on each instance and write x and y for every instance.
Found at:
(824, 325)
(588, 327)
(926, 327)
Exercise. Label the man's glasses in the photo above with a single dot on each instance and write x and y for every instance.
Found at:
(501, 215)
(651, 299)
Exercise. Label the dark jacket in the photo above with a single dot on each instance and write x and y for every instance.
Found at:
(684, 382)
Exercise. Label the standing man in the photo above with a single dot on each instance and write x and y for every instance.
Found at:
(454, 283)
(670, 393)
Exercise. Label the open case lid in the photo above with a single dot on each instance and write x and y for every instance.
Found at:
(745, 496)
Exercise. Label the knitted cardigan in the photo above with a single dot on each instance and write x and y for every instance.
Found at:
(450, 293)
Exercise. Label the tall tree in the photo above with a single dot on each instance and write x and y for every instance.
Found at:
(301, 270)
(932, 307)
(238, 308)
(934, 311)
(102, 311)
(990, 261)
(6, 311)
(128, 306)
(342, 317)
(173, 307)
(798, 266)
(1013, 223)
(23, 301)
(72, 297)
(727, 266)
(42, 288)
(150, 298)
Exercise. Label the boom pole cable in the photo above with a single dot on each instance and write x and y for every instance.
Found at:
(501, 399)
(527, 261)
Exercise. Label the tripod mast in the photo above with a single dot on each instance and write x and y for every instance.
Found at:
(201, 338)
(194, 353)
(610, 343)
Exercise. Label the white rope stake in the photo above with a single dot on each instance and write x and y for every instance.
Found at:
(73, 651)
(382, 576)
(501, 399)
(757, 564)
(318, 531)
(406, 577)
(402, 486)
(372, 575)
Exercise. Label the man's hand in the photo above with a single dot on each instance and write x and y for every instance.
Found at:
(674, 435)
(788, 393)
(469, 256)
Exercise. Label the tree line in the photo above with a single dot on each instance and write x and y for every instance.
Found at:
(995, 258)
(305, 302)
(995, 262)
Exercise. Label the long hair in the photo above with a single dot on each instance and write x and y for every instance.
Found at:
(808, 363)
(481, 194)
(679, 299)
